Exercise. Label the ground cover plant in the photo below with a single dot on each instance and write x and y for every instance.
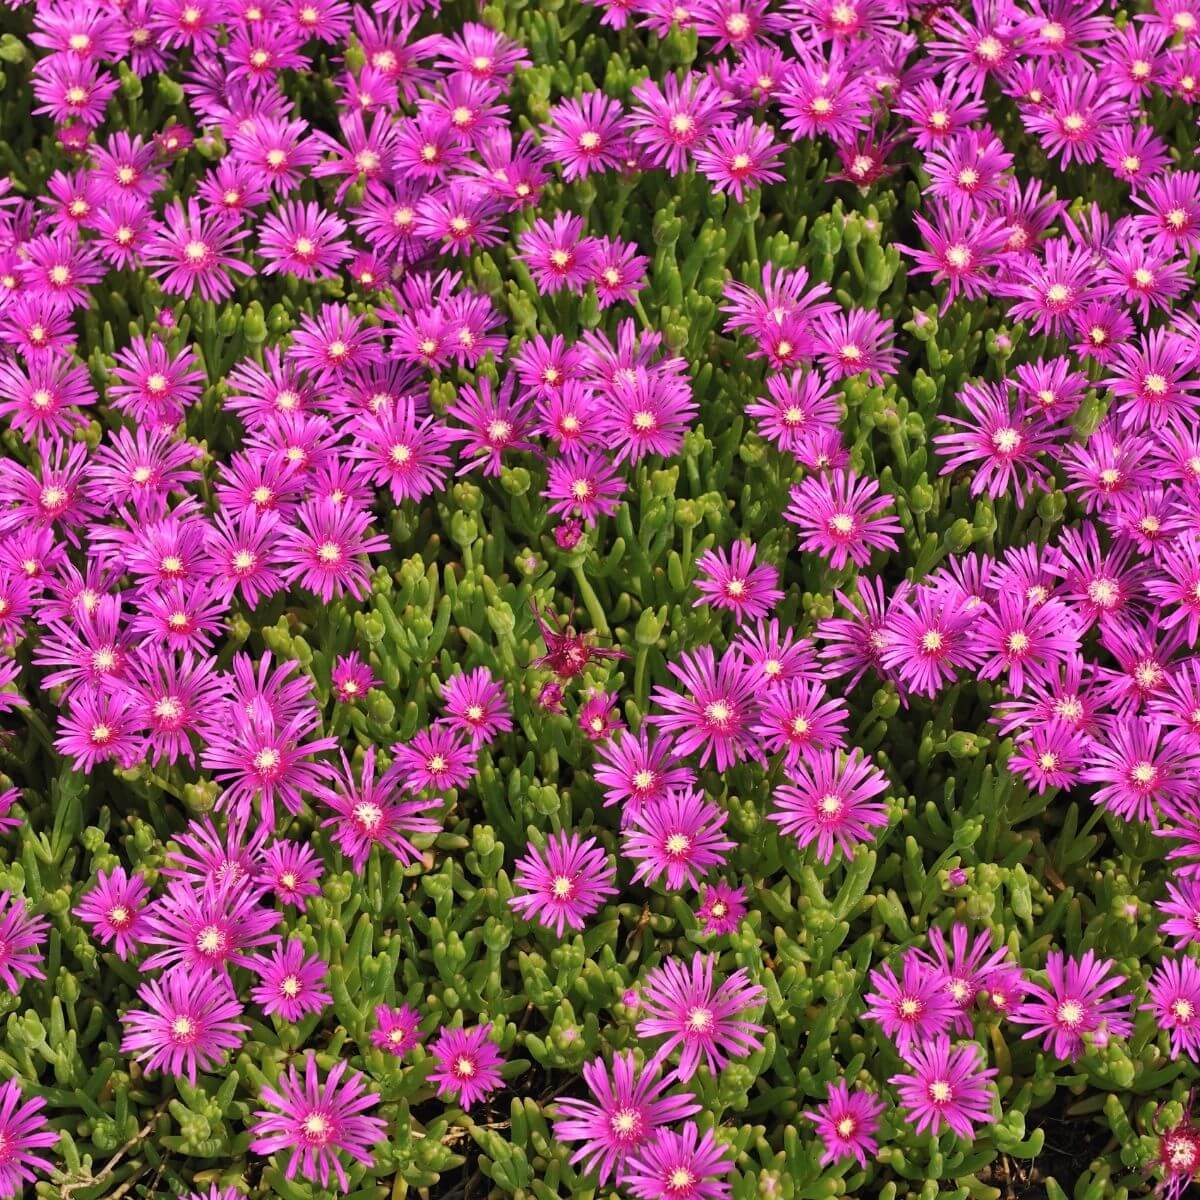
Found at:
(599, 599)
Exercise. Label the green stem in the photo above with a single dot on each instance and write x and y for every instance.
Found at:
(591, 602)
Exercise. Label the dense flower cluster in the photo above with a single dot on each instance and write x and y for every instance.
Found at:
(290, 290)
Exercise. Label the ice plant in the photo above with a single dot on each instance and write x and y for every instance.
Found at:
(700, 1016)
(316, 1121)
(467, 1064)
(627, 1108)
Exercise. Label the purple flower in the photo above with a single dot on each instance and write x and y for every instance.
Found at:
(208, 928)
(23, 1131)
(841, 517)
(698, 1015)
(632, 770)
(316, 1121)
(368, 812)
(564, 883)
(468, 1064)
(628, 1107)
(1174, 999)
(829, 800)
(722, 908)
(913, 1008)
(688, 1165)
(190, 1021)
(847, 1123)
(678, 836)
(1077, 1005)
(115, 910)
(946, 1088)
(715, 715)
(22, 937)
(397, 1030)
(731, 581)
(289, 982)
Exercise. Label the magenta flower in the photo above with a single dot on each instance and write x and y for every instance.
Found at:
(1174, 999)
(688, 1165)
(586, 135)
(468, 1064)
(492, 425)
(929, 638)
(583, 483)
(194, 253)
(303, 240)
(557, 254)
(23, 1131)
(798, 718)
(731, 581)
(436, 760)
(626, 1110)
(946, 1088)
(368, 812)
(327, 547)
(1077, 1006)
(738, 158)
(679, 836)
(564, 883)
(698, 1015)
(721, 908)
(477, 706)
(402, 450)
(829, 800)
(316, 1121)
(998, 443)
(190, 1021)
(115, 909)
(289, 982)
(1143, 774)
(22, 937)
(716, 713)
(840, 517)
(632, 771)
(1182, 907)
(206, 929)
(351, 678)
(674, 120)
(797, 407)
(967, 967)
(397, 1030)
(846, 1124)
(913, 1008)
(292, 871)
(1026, 642)
(856, 343)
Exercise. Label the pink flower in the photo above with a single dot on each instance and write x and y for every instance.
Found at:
(190, 1021)
(563, 883)
(733, 582)
(841, 517)
(699, 1015)
(829, 800)
(847, 1123)
(290, 984)
(947, 1087)
(627, 1108)
(115, 909)
(679, 836)
(468, 1064)
(1076, 1006)
(316, 1121)
(913, 1009)
(397, 1030)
